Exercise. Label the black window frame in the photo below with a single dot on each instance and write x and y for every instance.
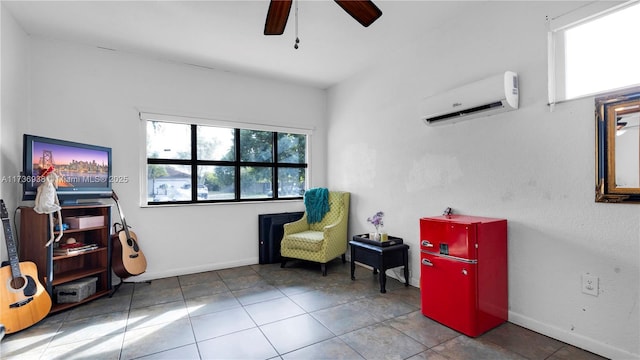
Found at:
(194, 162)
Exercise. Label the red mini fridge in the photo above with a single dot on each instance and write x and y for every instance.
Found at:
(463, 272)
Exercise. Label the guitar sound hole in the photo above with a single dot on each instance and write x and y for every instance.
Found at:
(17, 283)
(133, 244)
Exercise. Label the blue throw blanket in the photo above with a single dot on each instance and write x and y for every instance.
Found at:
(316, 201)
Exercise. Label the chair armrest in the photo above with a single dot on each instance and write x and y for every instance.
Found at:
(296, 226)
(331, 230)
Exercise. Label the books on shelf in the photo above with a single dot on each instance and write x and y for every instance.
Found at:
(76, 248)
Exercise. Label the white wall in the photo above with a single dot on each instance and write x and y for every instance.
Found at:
(532, 166)
(93, 96)
(14, 111)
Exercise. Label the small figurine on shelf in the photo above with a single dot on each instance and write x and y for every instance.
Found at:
(376, 220)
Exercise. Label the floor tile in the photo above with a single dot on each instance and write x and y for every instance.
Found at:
(257, 294)
(333, 348)
(247, 344)
(31, 340)
(347, 291)
(568, 352)
(363, 287)
(186, 352)
(344, 318)
(153, 339)
(321, 299)
(201, 278)
(103, 305)
(407, 295)
(149, 287)
(204, 289)
(212, 303)
(265, 312)
(157, 314)
(463, 347)
(384, 308)
(273, 310)
(522, 341)
(269, 270)
(422, 329)
(382, 342)
(22, 352)
(90, 328)
(157, 292)
(233, 273)
(124, 289)
(103, 348)
(294, 333)
(292, 286)
(244, 281)
(428, 355)
(35, 354)
(221, 323)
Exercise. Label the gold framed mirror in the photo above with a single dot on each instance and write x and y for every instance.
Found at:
(618, 147)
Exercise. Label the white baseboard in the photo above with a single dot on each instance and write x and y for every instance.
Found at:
(572, 338)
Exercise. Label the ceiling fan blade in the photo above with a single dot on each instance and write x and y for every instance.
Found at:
(277, 17)
(364, 11)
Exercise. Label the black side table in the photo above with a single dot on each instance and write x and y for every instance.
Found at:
(380, 257)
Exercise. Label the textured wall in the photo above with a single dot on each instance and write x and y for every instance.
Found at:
(531, 166)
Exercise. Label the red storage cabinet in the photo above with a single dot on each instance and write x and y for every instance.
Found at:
(463, 272)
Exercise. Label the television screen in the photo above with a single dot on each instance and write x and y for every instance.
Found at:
(84, 171)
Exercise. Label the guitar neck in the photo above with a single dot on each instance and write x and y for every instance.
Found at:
(124, 222)
(11, 244)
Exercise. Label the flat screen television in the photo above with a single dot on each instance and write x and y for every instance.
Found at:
(84, 170)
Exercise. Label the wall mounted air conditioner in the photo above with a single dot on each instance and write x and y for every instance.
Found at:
(481, 98)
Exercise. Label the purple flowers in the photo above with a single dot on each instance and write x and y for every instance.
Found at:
(376, 219)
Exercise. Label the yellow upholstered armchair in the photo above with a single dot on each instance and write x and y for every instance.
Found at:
(321, 241)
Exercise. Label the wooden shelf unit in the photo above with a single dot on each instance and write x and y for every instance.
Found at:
(55, 270)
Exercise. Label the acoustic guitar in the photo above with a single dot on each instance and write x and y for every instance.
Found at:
(127, 259)
(23, 300)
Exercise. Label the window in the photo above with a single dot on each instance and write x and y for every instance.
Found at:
(195, 163)
(593, 54)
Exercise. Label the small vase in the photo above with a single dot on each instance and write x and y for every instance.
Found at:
(378, 233)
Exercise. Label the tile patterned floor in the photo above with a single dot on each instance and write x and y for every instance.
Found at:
(264, 312)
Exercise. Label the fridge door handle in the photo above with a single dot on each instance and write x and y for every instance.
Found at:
(427, 262)
(426, 243)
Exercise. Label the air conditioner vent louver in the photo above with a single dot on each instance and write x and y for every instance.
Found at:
(482, 98)
(465, 112)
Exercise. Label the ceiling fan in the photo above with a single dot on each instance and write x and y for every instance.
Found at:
(364, 11)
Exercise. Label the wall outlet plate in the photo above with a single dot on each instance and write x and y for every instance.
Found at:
(590, 284)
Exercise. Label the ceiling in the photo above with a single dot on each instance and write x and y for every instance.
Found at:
(228, 35)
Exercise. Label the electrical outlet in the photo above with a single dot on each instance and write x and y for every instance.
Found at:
(590, 284)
